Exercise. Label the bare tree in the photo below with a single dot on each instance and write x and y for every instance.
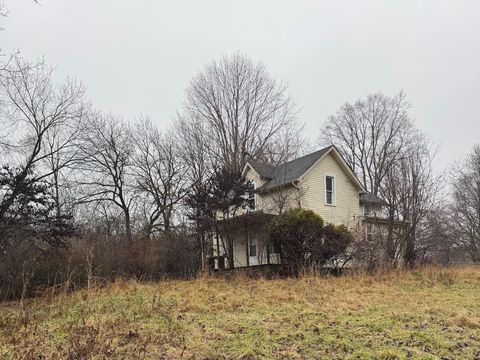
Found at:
(105, 172)
(63, 153)
(3, 11)
(242, 109)
(411, 190)
(192, 140)
(233, 111)
(393, 160)
(373, 134)
(33, 110)
(160, 173)
(436, 242)
(465, 207)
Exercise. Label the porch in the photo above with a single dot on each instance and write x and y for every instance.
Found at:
(240, 242)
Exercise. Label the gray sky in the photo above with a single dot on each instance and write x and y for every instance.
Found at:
(137, 57)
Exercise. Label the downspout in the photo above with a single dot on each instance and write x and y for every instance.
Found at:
(299, 199)
(295, 185)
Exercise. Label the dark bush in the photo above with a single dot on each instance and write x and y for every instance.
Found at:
(304, 241)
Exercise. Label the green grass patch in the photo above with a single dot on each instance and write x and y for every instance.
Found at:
(426, 314)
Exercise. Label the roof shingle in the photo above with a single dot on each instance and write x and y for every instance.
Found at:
(264, 170)
(370, 198)
(287, 172)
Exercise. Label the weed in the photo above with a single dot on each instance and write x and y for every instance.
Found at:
(425, 314)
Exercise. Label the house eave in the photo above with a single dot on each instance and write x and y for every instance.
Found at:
(268, 190)
(342, 163)
(247, 218)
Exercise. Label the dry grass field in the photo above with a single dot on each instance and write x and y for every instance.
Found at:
(425, 314)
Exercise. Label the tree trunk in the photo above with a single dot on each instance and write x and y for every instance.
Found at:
(410, 249)
(389, 245)
(202, 252)
(128, 227)
(57, 194)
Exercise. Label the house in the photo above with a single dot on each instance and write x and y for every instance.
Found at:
(321, 181)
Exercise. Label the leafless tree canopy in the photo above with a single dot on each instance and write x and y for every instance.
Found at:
(393, 159)
(160, 175)
(234, 110)
(244, 111)
(106, 152)
(128, 198)
(412, 191)
(372, 134)
(465, 208)
(38, 119)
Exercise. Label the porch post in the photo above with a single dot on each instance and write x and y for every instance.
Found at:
(231, 255)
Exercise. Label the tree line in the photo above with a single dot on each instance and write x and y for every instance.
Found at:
(83, 192)
(438, 212)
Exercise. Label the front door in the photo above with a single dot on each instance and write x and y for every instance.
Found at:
(252, 249)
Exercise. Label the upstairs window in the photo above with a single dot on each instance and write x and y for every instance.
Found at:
(251, 200)
(329, 190)
(367, 210)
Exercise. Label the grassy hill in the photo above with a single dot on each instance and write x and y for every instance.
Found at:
(427, 314)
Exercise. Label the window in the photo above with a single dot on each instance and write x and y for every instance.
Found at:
(369, 232)
(367, 210)
(329, 190)
(251, 201)
(252, 245)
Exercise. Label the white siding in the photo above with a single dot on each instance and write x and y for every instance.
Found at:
(311, 195)
(346, 209)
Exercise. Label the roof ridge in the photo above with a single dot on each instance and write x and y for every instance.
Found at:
(304, 156)
(259, 162)
(291, 170)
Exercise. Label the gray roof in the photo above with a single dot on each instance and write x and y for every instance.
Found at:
(371, 199)
(287, 172)
(264, 170)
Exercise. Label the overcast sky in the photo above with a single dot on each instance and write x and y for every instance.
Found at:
(137, 57)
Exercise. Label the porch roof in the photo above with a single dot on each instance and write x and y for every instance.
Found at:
(249, 218)
(369, 198)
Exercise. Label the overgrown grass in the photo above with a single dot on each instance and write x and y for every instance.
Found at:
(426, 314)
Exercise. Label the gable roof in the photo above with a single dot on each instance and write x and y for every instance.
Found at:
(287, 172)
(293, 170)
(265, 171)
